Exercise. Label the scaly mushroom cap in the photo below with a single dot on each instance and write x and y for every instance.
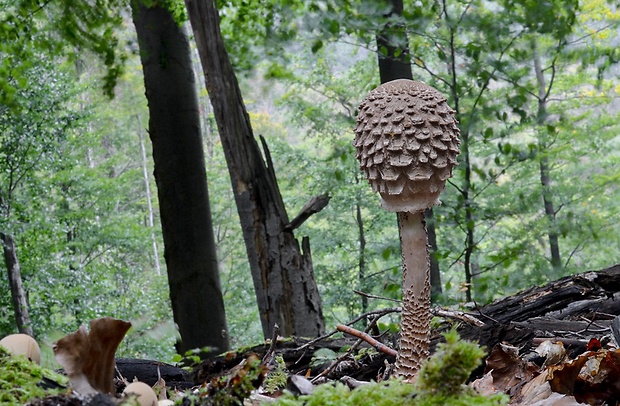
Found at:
(407, 141)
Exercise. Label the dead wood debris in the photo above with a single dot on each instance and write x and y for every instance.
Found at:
(549, 345)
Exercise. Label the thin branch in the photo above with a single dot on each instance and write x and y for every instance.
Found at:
(368, 295)
(379, 346)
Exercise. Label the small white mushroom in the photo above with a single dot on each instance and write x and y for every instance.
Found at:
(22, 344)
(165, 402)
(407, 140)
(146, 395)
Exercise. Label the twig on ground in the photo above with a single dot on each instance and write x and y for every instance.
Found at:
(272, 346)
(454, 314)
(366, 337)
(379, 313)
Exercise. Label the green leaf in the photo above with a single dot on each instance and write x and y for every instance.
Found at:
(316, 46)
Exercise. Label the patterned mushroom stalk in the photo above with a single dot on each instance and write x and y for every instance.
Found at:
(407, 141)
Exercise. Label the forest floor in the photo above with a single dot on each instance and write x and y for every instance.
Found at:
(551, 345)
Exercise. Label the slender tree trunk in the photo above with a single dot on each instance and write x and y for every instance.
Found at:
(545, 169)
(470, 220)
(394, 63)
(284, 283)
(436, 289)
(362, 255)
(149, 200)
(174, 129)
(18, 295)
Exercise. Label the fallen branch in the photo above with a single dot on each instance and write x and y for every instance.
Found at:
(453, 314)
(366, 337)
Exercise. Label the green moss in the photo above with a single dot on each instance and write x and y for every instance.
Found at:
(449, 368)
(380, 394)
(19, 379)
(276, 378)
(441, 382)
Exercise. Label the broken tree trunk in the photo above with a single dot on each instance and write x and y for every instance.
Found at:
(20, 304)
(284, 283)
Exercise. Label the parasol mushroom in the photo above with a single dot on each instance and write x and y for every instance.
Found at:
(407, 140)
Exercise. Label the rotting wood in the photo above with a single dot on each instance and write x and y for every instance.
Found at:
(579, 306)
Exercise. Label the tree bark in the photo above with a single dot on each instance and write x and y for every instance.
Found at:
(393, 59)
(18, 295)
(283, 278)
(174, 129)
(362, 257)
(393, 48)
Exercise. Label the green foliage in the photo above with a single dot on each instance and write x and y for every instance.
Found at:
(20, 379)
(477, 55)
(441, 381)
(450, 366)
(73, 196)
(176, 8)
(323, 356)
(61, 27)
(380, 394)
(78, 209)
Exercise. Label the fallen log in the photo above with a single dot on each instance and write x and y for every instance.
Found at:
(578, 306)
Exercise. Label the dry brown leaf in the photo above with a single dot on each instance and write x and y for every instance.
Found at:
(537, 392)
(557, 399)
(562, 377)
(554, 352)
(509, 371)
(598, 381)
(485, 385)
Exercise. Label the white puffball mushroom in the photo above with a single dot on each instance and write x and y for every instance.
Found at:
(146, 395)
(165, 402)
(22, 344)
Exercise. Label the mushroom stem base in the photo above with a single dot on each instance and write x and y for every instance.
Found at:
(415, 321)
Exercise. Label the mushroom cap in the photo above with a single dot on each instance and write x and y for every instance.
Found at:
(22, 344)
(146, 395)
(407, 141)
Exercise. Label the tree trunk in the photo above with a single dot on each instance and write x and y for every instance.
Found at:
(394, 63)
(469, 259)
(545, 170)
(283, 278)
(174, 129)
(393, 48)
(362, 257)
(20, 304)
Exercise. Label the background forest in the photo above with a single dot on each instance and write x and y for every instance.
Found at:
(535, 86)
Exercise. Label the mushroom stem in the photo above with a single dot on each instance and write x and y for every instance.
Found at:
(415, 319)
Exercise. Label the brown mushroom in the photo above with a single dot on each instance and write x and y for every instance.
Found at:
(407, 141)
(88, 356)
